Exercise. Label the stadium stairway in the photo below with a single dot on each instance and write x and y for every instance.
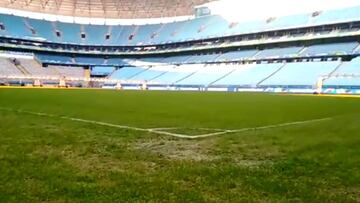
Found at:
(336, 69)
(222, 77)
(357, 49)
(148, 75)
(302, 51)
(158, 76)
(108, 77)
(301, 74)
(155, 35)
(21, 68)
(272, 74)
(138, 73)
(186, 77)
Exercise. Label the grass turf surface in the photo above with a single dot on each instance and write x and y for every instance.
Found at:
(57, 160)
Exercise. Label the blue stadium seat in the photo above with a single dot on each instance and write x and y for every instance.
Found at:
(126, 35)
(206, 75)
(89, 60)
(148, 75)
(248, 27)
(236, 55)
(352, 67)
(70, 33)
(145, 34)
(301, 74)
(15, 26)
(126, 73)
(118, 61)
(114, 35)
(44, 29)
(203, 58)
(330, 49)
(176, 59)
(215, 27)
(338, 15)
(168, 32)
(171, 77)
(102, 70)
(346, 69)
(342, 82)
(279, 52)
(47, 58)
(198, 28)
(299, 20)
(249, 75)
(95, 34)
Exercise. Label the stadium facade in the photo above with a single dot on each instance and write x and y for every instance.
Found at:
(315, 52)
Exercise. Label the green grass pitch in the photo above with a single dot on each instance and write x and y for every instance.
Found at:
(50, 158)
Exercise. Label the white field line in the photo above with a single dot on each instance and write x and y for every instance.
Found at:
(160, 130)
(157, 129)
(262, 127)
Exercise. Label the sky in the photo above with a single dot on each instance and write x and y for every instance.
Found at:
(263, 9)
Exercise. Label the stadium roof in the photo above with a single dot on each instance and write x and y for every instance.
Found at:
(122, 9)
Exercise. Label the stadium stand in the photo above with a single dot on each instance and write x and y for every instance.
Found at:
(280, 52)
(330, 49)
(208, 52)
(174, 74)
(8, 68)
(206, 75)
(236, 55)
(102, 70)
(68, 71)
(249, 75)
(127, 73)
(30, 67)
(33, 68)
(47, 58)
(348, 74)
(126, 35)
(301, 74)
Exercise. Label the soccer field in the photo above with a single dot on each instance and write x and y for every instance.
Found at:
(118, 146)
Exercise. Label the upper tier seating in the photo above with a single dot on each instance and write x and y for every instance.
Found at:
(338, 15)
(285, 52)
(126, 35)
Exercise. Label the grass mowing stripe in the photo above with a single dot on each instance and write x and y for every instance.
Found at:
(159, 130)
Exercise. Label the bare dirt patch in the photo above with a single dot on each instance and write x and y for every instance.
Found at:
(178, 149)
